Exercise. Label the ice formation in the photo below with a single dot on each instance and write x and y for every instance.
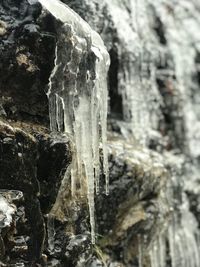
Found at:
(183, 37)
(51, 232)
(182, 238)
(143, 57)
(78, 98)
(172, 56)
(139, 53)
(183, 245)
(181, 24)
(178, 241)
(6, 212)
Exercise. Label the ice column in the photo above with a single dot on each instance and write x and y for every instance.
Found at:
(78, 98)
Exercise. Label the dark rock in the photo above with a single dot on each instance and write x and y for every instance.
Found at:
(20, 163)
(26, 53)
(54, 158)
(18, 172)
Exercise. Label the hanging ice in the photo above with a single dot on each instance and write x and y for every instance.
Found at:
(181, 22)
(181, 237)
(78, 98)
(143, 60)
(50, 232)
(138, 52)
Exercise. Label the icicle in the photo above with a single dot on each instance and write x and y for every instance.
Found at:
(183, 245)
(78, 98)
(162, 249)
(154, 255)
(141, 98)
(158, 251)
(140, 252)
(51, 233)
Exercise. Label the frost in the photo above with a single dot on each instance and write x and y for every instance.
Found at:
(78, 98)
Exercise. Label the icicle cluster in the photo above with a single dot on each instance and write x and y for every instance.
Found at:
(178, 241)
(78, 98)
(181, 22)
(183, 243)
(182, 238)
(139, 53)
(144, 58)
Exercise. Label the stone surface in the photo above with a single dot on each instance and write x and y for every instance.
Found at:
(26, 53)
(20, 164)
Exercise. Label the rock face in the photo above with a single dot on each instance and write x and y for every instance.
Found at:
(27, 53)
(150, 217)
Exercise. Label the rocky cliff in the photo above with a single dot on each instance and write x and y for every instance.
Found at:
(99, 133)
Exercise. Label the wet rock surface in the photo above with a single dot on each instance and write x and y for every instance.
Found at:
(20, 166)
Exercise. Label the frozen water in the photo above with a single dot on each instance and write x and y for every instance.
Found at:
(78, 98)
